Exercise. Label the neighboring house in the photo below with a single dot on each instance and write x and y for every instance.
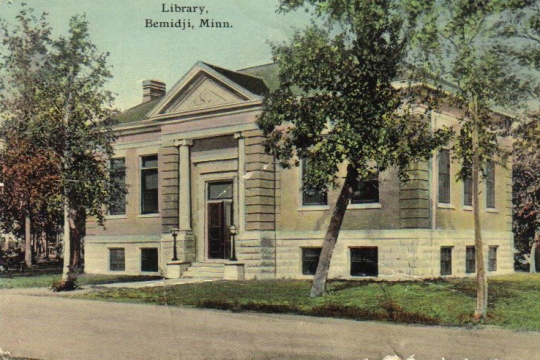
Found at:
(194, 160)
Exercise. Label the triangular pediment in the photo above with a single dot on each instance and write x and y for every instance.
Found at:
(204, 88)
(205, 92)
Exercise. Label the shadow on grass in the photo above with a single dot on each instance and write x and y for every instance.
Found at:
(389, 311)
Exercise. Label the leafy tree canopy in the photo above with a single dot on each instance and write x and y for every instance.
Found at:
(337, 102)
(53, 95)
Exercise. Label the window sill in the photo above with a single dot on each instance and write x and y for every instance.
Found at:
(364, 206)
(155, 215)
(492, 210)
(116, 217)
(467, 208)
(314, 208)
(446, 206)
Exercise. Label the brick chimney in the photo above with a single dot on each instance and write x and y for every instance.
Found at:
(152, 89)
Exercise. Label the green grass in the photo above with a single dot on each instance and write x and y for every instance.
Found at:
(514, 299)
(28, 281)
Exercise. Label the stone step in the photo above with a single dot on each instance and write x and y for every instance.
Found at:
(204, 271)
(207, 265)
(202, 275)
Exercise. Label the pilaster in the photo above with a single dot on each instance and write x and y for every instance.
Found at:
(184, 189)
(241, 181)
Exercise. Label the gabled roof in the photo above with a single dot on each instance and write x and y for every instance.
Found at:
(254, 84)
(229, 88)
(255, 80)
(138, 112)
(269, 73)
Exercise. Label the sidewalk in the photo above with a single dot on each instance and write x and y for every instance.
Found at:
(46, 291)
(152, 283)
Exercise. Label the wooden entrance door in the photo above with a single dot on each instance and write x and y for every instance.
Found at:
(219, 212)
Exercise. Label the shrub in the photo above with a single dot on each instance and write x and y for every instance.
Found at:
(65, 285)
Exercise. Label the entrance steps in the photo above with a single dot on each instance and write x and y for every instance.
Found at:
(206, 271)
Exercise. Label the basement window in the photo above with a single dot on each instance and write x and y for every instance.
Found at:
(117, 259)
(149, 260)
(446, 260)
(365, 261)
(492, 264)
(470, 260)
(310, 260)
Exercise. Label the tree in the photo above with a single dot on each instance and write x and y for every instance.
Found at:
(22, 69)
(526, 159)
(71, 117)
(468, 43)
(526, 194)
(31, 191)
(349, 112)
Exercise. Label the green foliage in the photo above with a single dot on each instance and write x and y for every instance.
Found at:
(475, 46)
(336, 102)
(526, 161)
(53, 96)
(65, 285)
(526, 190)
(31, 187)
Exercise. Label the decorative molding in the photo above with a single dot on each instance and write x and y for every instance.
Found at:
(183, 142)
(199, 70)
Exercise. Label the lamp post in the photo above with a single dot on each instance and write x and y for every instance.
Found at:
(174, 232)
(233, 231)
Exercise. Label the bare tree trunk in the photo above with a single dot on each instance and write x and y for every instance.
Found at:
(534, 247)
(67, 273)
(66, 270)
(481, 278)
(27, 243)
(36, 245)
(45, 244)
(319, 282)
(532, 259)
(77, 220)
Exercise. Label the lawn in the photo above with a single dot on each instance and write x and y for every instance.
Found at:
(514, 299)
(26, 280)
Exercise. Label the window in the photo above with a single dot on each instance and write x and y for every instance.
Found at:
(367, 191)
(149, 259)
(365, 261)
(490, 184)
(446, 260)
(149, 184)
(316, 198)
(118, 179)
(467, 192)
(470, 259)
(444, 176)
(117, 260)
(220, 191)
(310, 260)
(492, 264)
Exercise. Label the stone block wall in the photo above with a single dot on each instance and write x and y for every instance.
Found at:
(414, 202)
(260, 184)
(168, 173)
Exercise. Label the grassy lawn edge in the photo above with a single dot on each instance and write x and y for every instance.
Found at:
(513, 300)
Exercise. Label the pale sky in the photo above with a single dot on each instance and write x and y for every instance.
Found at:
(138, 53)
